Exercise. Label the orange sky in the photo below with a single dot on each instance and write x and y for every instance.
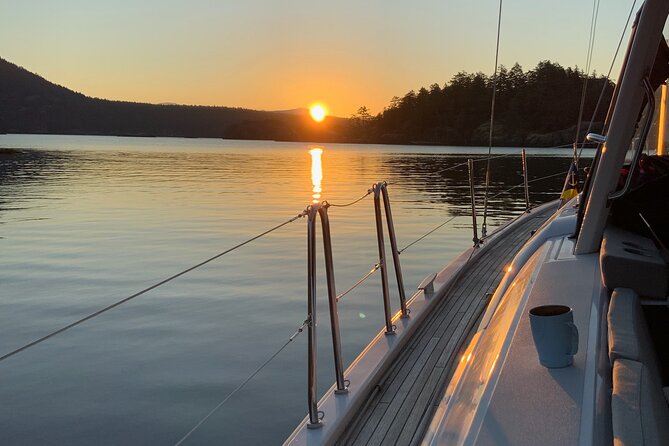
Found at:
(270, 54)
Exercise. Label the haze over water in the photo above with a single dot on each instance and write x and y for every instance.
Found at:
(86, 221)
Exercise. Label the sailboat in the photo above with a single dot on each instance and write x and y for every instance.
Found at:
(570, 345)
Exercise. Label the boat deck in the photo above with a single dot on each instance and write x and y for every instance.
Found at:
(400, 408)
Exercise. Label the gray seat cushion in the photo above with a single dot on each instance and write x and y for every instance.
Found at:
(628, 333)
(640, 413)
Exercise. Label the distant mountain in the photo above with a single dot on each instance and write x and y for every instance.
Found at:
(294, 111)
(31, 104)
(534, 108)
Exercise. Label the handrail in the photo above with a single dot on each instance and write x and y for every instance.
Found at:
(313, 212)
(380, 189)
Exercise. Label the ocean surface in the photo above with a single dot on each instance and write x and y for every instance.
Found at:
(86, 221)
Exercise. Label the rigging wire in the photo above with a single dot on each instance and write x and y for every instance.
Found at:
(588, 62)
(145, 290)
(492, 120)
(243, 383)
(608, 76)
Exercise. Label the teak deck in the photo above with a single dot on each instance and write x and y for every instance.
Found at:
(402, 403)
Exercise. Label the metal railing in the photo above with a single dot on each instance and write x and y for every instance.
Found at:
(320, 210)
(313, 212)
(380, 189)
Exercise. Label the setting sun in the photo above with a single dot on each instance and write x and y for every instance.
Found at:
(317, 112)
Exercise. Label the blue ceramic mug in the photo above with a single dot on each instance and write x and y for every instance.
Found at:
(555, 335)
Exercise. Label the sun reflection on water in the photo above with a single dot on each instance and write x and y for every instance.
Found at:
(316, 173)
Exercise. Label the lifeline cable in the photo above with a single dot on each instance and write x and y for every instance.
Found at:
(357, 200)
(426, 234)
(243, 383)
(455, 166)
(145, 290)
(359, 282)
(529, 182)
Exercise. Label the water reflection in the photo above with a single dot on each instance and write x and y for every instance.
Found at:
(103, 218)
(25, 175)
(444, 179)
(316, 173)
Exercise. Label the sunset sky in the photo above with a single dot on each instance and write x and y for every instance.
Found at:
(283, 54)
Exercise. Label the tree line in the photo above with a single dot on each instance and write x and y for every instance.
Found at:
(538, 107)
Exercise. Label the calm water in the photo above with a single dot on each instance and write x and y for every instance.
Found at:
(85, 221)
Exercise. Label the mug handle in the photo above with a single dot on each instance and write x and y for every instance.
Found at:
(574, 338)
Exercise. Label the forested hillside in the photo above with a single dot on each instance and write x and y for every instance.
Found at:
(538, 107)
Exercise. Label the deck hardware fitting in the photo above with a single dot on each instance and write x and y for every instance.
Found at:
(596, 137)
(427, 285)
(319, 423)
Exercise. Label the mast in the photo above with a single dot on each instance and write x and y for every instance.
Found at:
(641, 59)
